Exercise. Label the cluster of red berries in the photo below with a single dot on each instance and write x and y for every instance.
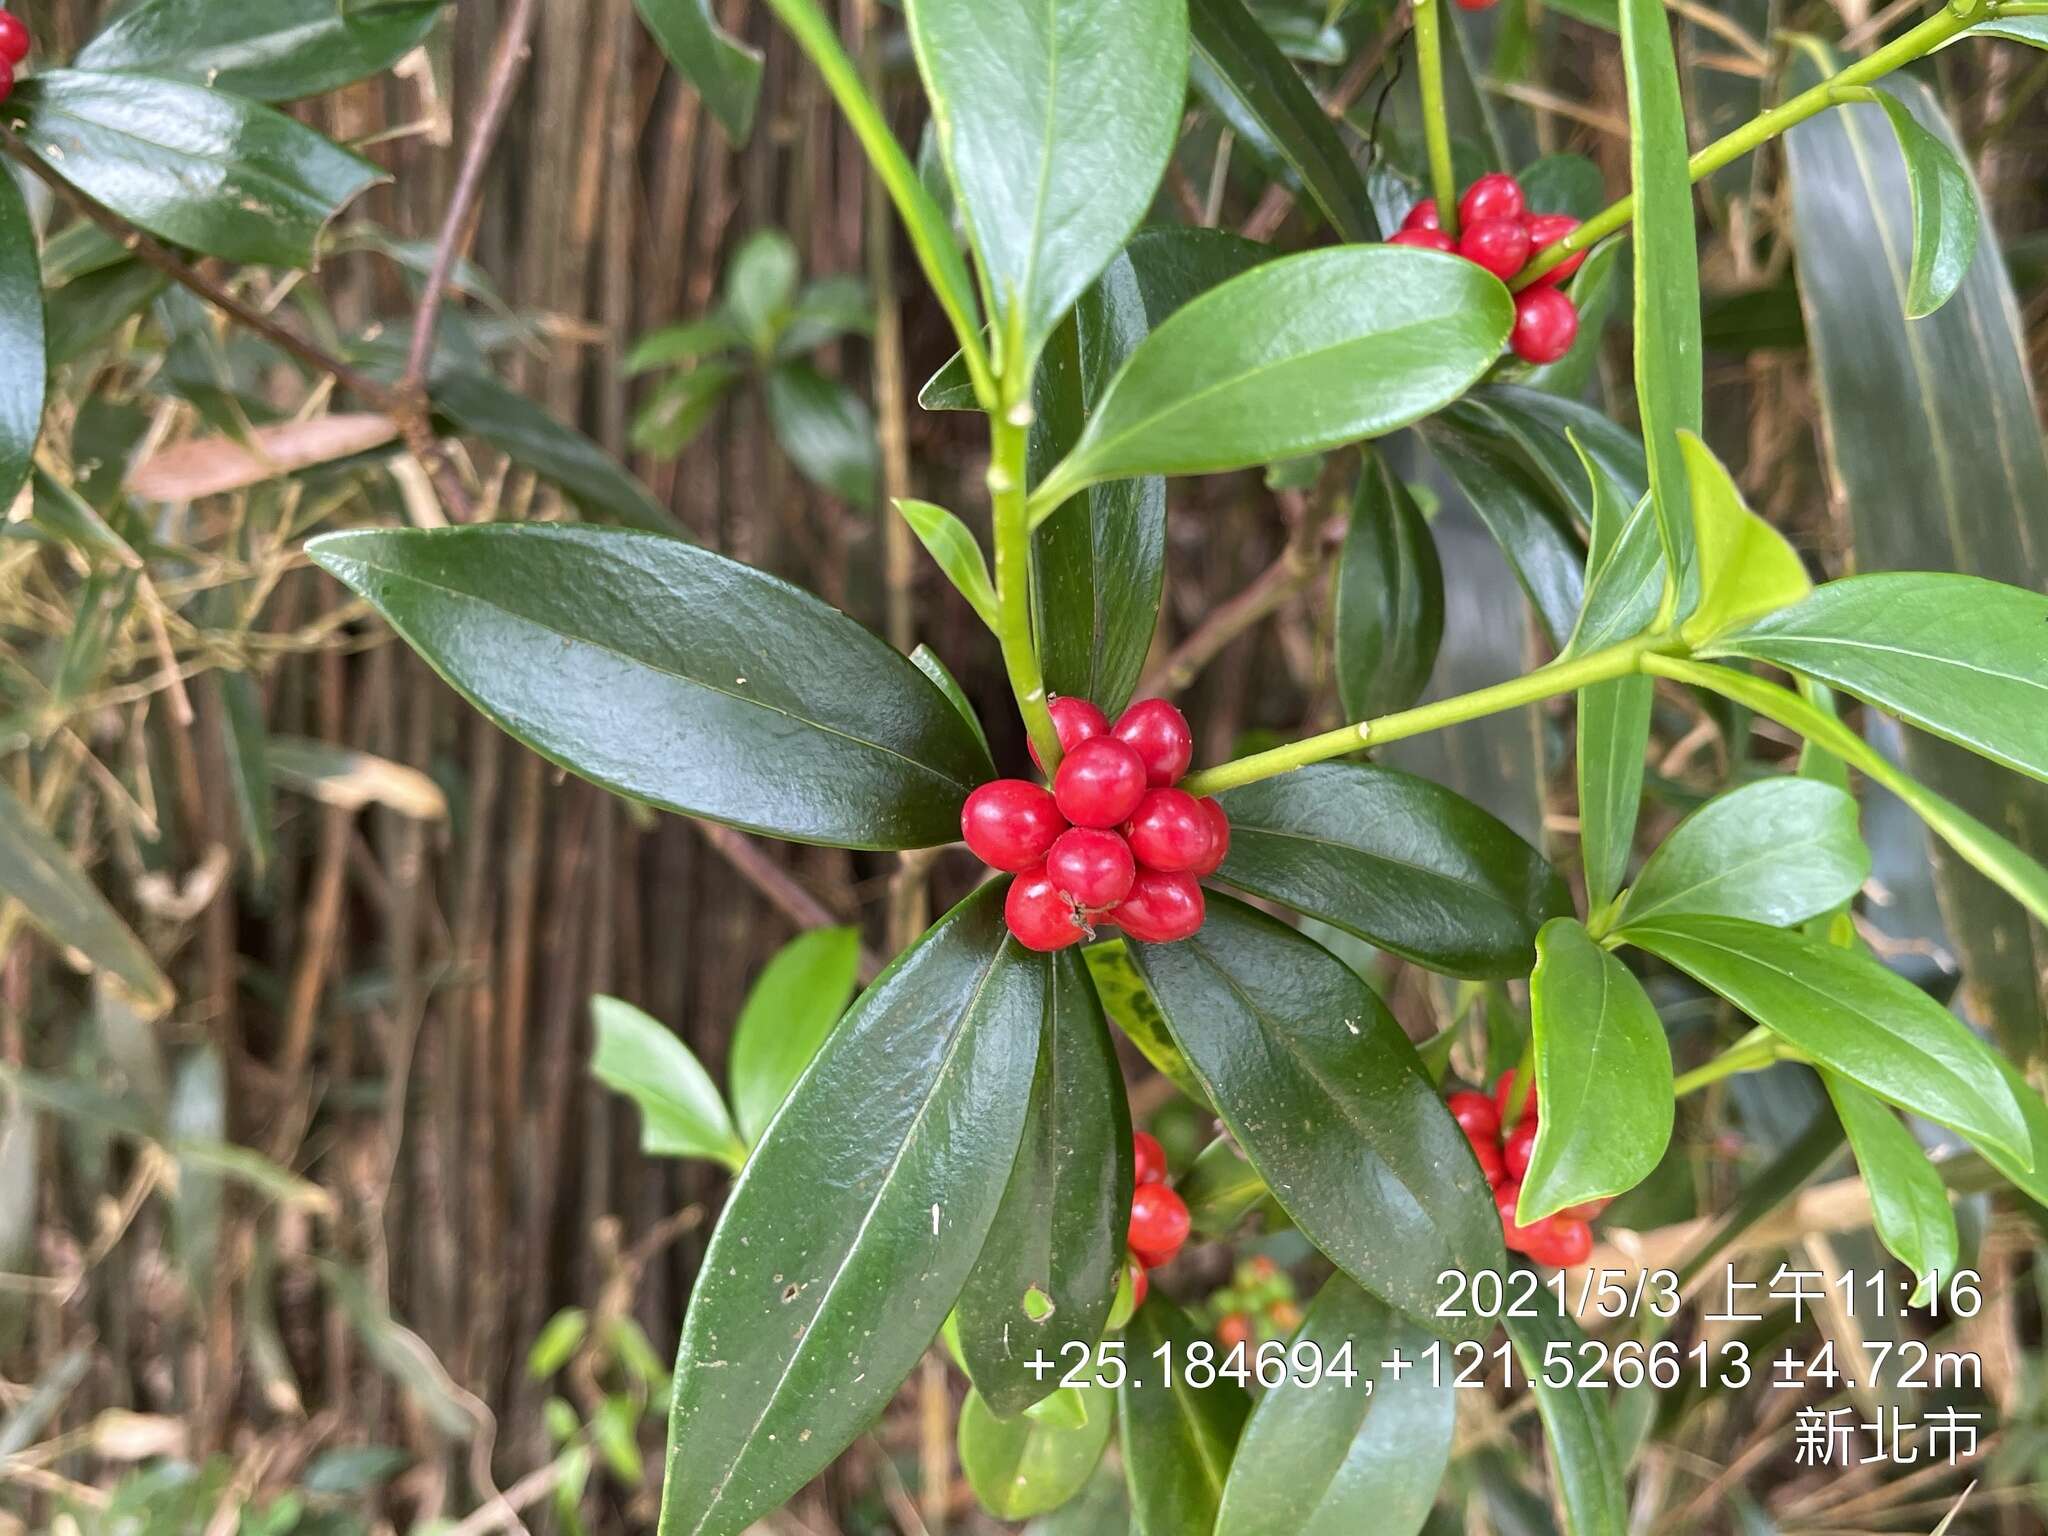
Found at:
(1497, 231)
(1112, 840)
(14, 46)
(1560, 1240)
(1159, 1217)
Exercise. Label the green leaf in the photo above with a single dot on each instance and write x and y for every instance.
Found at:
(1332, 1458)
(1669, 379)
(1852, 1016)
(24, 368)
(1023, 1467)
(86, 309)
(675, 676)
(552, 449)
(725, 71)
(684, 343)
(56, 898)
(855, 1223)
(1397, 860)
(926, 660)
(1389, 617)
(1178, 1439)
(266, 50)
(1944, 212)
(1564, 184)
(1054, 1256)
(827, 431)
(1220, 1189)
(760, 285)
(664, 427)
(1328, 1100)
(1908, 1202)
(1297, 356)
(1955, 655)
(1747, 569)
(195, 167)
(1603, 1074)
(197, 1114)
(1777, 851)
(789, 1011)
(1056, 121)
(955, 550)
(1576, 1426)
(823, 312)
(1614, 734)
(2031, 30)
(1255, 86)
(681, 1114)
(1937, 460)
(1130, 1004)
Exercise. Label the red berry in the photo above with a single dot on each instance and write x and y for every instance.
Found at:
(1560, 1242)
(1499, 245)
(1092, 866)
(1141, 1283)
(1585, 1210)
(1425, 240)
(1512, 1232)
(1476, 5)
(1546, 325)
(1234, 1330)
(1073, 721)
(1490, 1162)
(1159, 734)
(1170, 832)
(1477, 1113)
(6, 79)
(1148, 1159)
(14, 40)
(1011, 824)
(1219, 837)
(1161, 909)
(1503, 1087)
(1547, 229)
(1039, 914)
(1100, 783)
(1159, 1223)
(1494, 196)
(1516, 1150)
(1423, 216)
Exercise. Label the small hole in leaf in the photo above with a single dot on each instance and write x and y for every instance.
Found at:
(1037, 1305)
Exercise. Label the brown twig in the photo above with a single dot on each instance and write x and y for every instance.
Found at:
(776, 883)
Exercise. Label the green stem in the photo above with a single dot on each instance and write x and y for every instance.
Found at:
(1544, 683)
(1765, 126)
(1754, 1051)
(1436, 125)
(1008, 442)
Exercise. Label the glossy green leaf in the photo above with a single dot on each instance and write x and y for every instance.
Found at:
(1257, 87)
(760, 285)
(725, 71)
(1021, 1467)
(266, 50)
(1297, 356)
(954, 548)
(56, 897)
(1746, 566)
(789, 1011)
(1333, 1458)
(1614, 735)
(1944, 212)
(1054, 1256)
(1323, 1092)
(1389, 616)
(1177, 1439)
(1669, 378)
(1908, 1201)
(1852, 1016)
(1397, 860)
(1563, 183)
(1777, 851)
(2031, 30)
(1955, 655)
(24, 369)
(669, 422)
(1603, 1075)
(676, 676)
(1055, 121)
(1130, 1005)
(1936, 458)
(1577, 1429)
(198, 168)
(927, 661)
(855, 1223)
(826, 429)
(681, 1114)
(82, 312)
(552, 449)
(1220, 1189)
